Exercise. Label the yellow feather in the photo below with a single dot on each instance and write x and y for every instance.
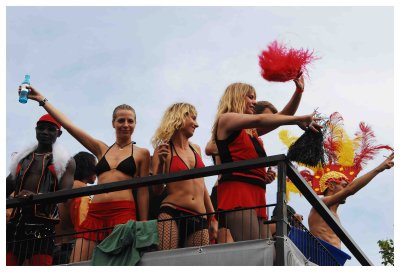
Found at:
(286, 139)
(312, 168)
(346, 151)
(291, 188)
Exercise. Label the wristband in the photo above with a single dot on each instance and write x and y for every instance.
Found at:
(299, 90)
(42, 102)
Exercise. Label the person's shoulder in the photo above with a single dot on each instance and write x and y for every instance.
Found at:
(196, 147)
(142, 151)
(211, 148)
(71, 164)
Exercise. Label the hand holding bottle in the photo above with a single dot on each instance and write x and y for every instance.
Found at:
(23, 94)
(33, 94)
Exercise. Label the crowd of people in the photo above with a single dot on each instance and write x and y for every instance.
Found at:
(236, 135)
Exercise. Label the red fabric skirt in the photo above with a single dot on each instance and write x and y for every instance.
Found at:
(106, 215)
(78, 211)
(236, 194)
(36, 259)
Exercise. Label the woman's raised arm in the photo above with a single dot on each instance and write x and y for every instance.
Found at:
(230, 122)
(93, 145)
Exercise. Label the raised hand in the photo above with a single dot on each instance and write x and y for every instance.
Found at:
(33, 93)
(309, 122)
(386, 164)
(299, 81)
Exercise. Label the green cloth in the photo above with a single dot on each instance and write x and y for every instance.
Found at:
(122, 246)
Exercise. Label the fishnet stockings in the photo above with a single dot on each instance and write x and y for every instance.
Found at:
(169, 234)
(199, 238)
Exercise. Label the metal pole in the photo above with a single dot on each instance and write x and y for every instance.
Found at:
(62, 195)
(281, 218)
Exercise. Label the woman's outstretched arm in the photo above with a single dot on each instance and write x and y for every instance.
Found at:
(95, 146)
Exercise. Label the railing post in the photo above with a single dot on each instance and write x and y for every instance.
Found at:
(281, 218)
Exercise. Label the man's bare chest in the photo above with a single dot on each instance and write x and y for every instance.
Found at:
(35, 172)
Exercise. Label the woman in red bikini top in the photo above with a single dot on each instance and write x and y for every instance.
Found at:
(174, 153)
(122, 160)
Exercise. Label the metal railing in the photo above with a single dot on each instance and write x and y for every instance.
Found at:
(67, 252)
(285, 169)
(311, 247)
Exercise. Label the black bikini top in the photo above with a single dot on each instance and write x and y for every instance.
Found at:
(127, 166)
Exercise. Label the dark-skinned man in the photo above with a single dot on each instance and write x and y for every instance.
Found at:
(42, 168)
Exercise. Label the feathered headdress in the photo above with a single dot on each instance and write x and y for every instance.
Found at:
(281, 64)
(345, 156)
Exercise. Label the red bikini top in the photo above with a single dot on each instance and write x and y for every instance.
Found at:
(177, 164)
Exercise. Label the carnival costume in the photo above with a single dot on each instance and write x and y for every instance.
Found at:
(246, 188)
(35, 221)
(345, 156)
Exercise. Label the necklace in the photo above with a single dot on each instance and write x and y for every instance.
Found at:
(41, 154)
(45, 155)
(122, 147)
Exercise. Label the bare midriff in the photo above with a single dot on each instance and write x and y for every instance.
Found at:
(109, 177)
(319, 228)
(187, 194)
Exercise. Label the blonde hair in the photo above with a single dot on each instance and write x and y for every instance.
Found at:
(123, 107)
(173, 119)
(233, 100)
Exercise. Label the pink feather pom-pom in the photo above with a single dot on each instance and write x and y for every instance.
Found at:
(281, 64)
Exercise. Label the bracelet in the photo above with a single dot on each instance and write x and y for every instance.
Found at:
(299, 90)
(41, 103)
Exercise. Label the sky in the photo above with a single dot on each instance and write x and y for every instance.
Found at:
(88, 60)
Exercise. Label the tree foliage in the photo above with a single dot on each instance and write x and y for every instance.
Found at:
(387, 251)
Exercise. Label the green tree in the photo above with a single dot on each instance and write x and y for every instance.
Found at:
(387, 251)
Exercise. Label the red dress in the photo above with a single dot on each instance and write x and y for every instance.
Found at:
(246, 188)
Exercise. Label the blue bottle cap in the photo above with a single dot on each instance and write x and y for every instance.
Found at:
(27, 79)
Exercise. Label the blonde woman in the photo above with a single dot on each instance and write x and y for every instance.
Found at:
(236, 132)
(122, 160)
(174, 153)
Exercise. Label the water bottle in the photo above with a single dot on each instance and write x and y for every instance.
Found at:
(23, 95)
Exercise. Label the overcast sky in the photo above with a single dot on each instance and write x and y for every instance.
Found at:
(88, 60)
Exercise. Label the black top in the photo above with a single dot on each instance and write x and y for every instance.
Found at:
(127, 166)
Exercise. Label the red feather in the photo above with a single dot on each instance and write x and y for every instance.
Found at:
(307, 175)
(332, 142)
(281, 64)
(367, 149)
